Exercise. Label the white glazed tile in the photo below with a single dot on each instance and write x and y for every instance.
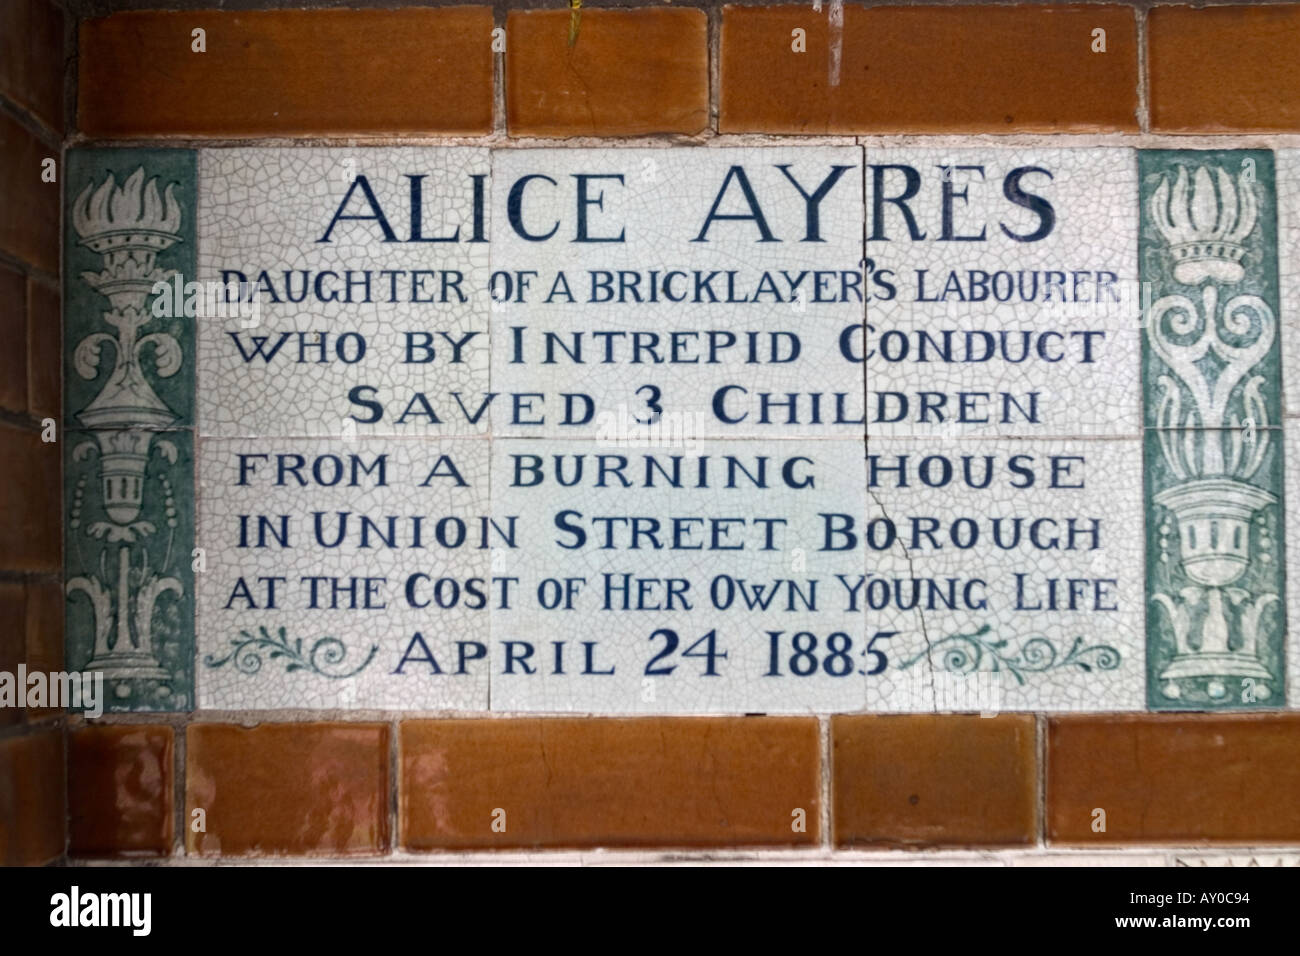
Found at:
(932, 319)
(443, 484)
(780, 529)
(1288, 255)
(743, 286)
(982, 635)
(267, 210)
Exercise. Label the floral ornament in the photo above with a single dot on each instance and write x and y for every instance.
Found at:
(970, 653)
(324, 657)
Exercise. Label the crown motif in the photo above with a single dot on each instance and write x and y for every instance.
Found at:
(1205, 221)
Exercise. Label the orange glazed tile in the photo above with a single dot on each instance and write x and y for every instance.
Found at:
(13, 604)
(628, 73)
(1225, 68)
(944, 780)
(29, 499)
(579, 782)
(287, 789)
(989, 69)
(120, 790)
(287, 72)
(31, 57)
(13, 326)
(32, 818)
(1174, 779)
(29, 208)
(44, 634)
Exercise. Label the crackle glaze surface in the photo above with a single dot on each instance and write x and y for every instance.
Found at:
(371, 304)
(725, 277)
(1011, 317)
(687, 430)
(357, 602)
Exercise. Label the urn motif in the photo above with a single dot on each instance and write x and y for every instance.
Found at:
(1213, 431)
(127, 225)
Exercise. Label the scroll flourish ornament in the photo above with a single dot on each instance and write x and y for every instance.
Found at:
(323, 657)
(974, 652)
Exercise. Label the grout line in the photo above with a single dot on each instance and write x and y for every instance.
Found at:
(31, 728)
(835, 30)
(497, 140)
(499, 119)
(714, 52)
(394, 785)
(827, 820)
(80, 9)
(180, 763)
(255, 718)
(1002, 856)
(71, 60)
(1040, 803)
(29, 271)
(31, 123)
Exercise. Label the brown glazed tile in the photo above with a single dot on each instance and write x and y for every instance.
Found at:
(582, 782)
(44, 355)
(29, 208)
(629, 73)
(13, 605)
(29, 499)
(288, 72)
(31, 57)
(316, 788)
(32, 819)
(1174, 779)
(1225, 68)
(44, 634)
(939, 780)
(120, 790)
(13, 328)
(929, 69)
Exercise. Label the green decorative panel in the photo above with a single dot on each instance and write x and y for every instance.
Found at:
(129, 357)
(129, 224)
(1212, 396)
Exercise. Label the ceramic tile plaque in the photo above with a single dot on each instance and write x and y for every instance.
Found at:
(797, 429)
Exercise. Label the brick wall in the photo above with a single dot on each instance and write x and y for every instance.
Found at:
(32, 816)
(378, 785)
